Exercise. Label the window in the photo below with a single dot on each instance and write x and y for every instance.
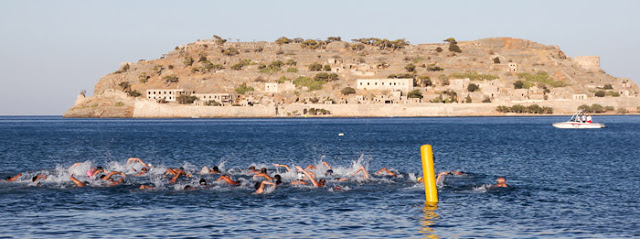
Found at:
(170, 97)
(367, 83)
(148, 97)
(360, 83)
(376, 83)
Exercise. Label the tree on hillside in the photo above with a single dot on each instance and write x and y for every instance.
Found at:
(415, 94)
(518, 84)
(410, 67)
(472, 87)
(283, 40)
(348, 91)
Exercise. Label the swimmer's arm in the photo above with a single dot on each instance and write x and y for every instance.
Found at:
(441, 177)
(363, 170)
(264, 183)
(41, 176)
(313, 180)
(145, 187)
(263, 175)
(97, 172)
(310, 167)
(282, 165)
(327, 164)
(174, 179)
(14, 178)
(75, 165)
(77, 182)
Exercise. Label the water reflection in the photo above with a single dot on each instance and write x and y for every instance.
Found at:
(430, 217)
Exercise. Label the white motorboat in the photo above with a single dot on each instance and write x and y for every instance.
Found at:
(576, 123)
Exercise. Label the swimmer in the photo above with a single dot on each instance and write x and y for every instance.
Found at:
(111, 181)
(91, 172)
(203, 183)
(252, 170)
(228, 179)
(278, 179)
(145, 187)
(14, 178)
(363, 170)
(439, 179)
(315, 183)
(390, 173)
(207, 170)
(310, 167)
(137, 160)
(300, 180)
(177, 172)
(260, 186)
(501, 182)
(281, 165)
(38, 177)
(77, 182)
(263, 174)
(329, 170)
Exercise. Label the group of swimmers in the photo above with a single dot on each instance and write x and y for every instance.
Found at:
(315, 176)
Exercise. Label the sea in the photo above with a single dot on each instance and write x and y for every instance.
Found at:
(563, 183)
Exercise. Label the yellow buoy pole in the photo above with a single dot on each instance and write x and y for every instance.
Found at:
(428, 174)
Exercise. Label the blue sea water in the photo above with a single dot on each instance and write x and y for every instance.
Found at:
(563, 183)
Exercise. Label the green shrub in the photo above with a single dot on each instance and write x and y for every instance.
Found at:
(496, 60)
(454, 48)
(143, 77)
(314, 111)
(170, 79)
(134, 93)
(472, 87)
(357, 47)
(282, 79)
(542, 77)
(314, 100)
(468, 99)
(439, 49)
(186, 99)
(486, 100)
(231, 51)
(518, 84)
(607, 87)
(212, 103)
(451, 40)
(292, 70)
(474, 76)
(595, 108)
(118, 104)
(291, 63)
(348, 91)
(415, 94)
(243, 88)
(187, 61)
(600, 93)
(315, 67)
(326, 76)
(327, 68)
(532, 109)
(410, 67)
(241, 64)
(433, 67)
(311, 44)
(405, 75)
(311, 84)
(283, 40)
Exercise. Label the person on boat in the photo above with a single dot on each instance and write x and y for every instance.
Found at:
(584, 119)
(228, 179)
(501, 182)
(589, 118)
(14, 178)
(260, 186)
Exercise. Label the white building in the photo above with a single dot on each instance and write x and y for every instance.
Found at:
(405, 84)
(271, 87)
(218, 97)
(166, 94)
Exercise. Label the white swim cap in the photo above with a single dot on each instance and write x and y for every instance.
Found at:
(300, 175)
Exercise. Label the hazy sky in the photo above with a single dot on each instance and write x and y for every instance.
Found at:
(51, 50)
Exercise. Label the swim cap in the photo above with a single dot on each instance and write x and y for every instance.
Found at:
(89, 173)
(419, 178)
(300, 175)
(330, 171)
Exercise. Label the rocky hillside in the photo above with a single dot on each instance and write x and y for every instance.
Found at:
(516, 70)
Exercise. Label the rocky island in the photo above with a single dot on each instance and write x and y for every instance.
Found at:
(366, 77)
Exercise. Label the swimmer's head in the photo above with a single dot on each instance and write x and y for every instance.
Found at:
(144, 170)
(215, 169)
(7, 178)
(278, 179)
(252, 167)
(86, 182)
(34, 178)
(99, 168)
(102, 176)
(263, 170)
(322, 182)
(329, 172)
(182, 168)
(188, 187)
(300, 175)
(501, 180)
(203, 181)
(257, 185)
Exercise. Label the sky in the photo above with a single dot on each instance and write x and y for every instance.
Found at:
(51, 50)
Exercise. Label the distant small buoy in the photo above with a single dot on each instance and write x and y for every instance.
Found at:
(341, 134)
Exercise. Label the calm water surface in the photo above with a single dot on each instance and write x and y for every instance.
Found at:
(564, 183)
